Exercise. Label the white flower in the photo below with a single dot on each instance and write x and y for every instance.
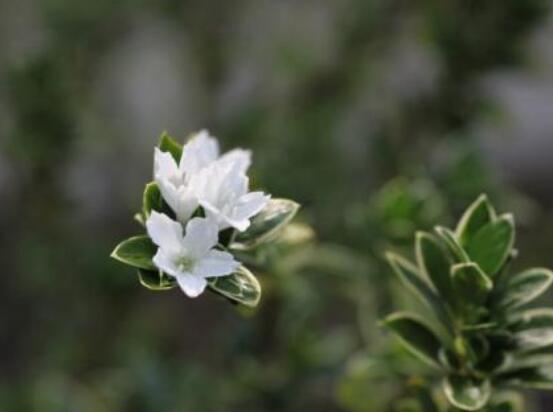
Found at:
(173, 186)
(199, 153)
(203, 150)
(222, 190)
(190, 258)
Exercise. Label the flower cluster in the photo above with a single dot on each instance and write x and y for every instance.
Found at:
(198, 212)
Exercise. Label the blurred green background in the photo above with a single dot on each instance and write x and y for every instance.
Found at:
(379, 116)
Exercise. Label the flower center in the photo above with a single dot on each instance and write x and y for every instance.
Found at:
(185, 264)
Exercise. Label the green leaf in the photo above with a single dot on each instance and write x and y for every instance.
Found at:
(449, 359)
(168, 144)
(534, 342)
(531, 319)
(466, 393)
(241, 287)
(452, 244)
(495, 360)
(524, 287)
(156, 280)
(540, 350)
(479, 214)
(478, 347)
(472, 287)
(151, 199)
(533, 332)
(137, 251)
(410, 277)
(508, 402)
(492, 245)
(267, 224)
(529, 378)
(416, 336)
(479, 327)
(432, 258)
(533, 360)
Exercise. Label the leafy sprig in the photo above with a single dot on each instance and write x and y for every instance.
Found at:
(241, 287)
(482, 338)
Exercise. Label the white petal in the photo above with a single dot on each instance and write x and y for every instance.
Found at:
(166, 263)
(182, 200)
(216, 263)
(164, 232)
(169, 192)
(199, 152)
(210, 188)
(223, 183)
(202, 183)
(215, 215)
(165, 167)
(191, 285)
(201, 236)
(239, 156)
(224, 221)
(234, 181)
(250, 205)
(187, 204)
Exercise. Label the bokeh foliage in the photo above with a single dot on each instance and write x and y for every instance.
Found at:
(337, 120)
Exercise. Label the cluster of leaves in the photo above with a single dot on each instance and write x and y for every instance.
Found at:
(482, 337)
(241, 287)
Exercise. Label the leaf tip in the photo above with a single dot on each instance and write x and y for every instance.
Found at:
(509, 218)
(483, 198)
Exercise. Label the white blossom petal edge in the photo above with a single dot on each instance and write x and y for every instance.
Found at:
(222, 191)
(173, 185)
(190, 258)
(201, 151)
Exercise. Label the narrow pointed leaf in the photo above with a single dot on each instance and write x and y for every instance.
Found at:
(267, 224)
(416, 336)
(524, 287)
(156, 280)
(542, 350)
(472, 287)
(467, 394)
(241, 287)
(410, 277)
(137, 251)
(432, 258)
(453, 245)
(529, 378)
(168, 144)
(531, 319)
(533, 332)
(534, 341)
(479, 327)
(478, 215)
(492, 245)
(524, 361)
